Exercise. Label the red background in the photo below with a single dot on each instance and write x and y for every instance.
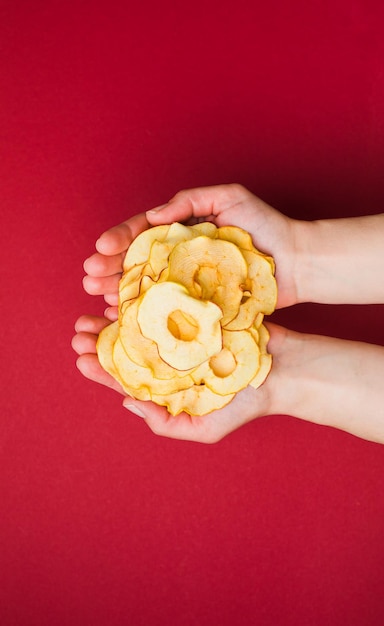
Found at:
(109, 108)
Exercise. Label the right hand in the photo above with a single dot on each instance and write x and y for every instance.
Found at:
(271, 231)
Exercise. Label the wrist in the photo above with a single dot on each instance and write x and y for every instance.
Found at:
(339, 261)
(328, 381)
(284, 379)
(309, 374)
(295, 263)
(306, 262)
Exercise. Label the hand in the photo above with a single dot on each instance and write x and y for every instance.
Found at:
(271, 231)
(247, 405)
(332, 382)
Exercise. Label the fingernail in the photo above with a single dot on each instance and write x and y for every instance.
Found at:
(157, 209)
(134, 409)
(111, 314)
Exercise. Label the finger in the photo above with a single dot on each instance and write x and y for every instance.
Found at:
(159, 420)
(182, 426)
(99, 265)
(209, 428)
(84, 343)
(102, 285)
(111, 313)
(90, 367)
(202, 202)
(90, 324)
(112, 299)
(117, 239)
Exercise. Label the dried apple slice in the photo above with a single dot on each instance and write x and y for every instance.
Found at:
(131, 283)
(104, 348)
(236, 235)
(261, 286)
(205, 228)
(133, 276)
(135, 377)
(265, 357)
(243, 240)
(263, 283)
(212, 270)
(196, 400)
(187, 331)
(234, 367)
(161, 249)
(140, 349)
(247, 312)
(158, 257)
(178, 232)
(139, 249)
(129, 292)
(258, 320)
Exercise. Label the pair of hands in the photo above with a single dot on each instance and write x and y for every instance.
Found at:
(223, 205)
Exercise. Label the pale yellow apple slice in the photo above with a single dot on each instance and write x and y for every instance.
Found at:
(161, 249)
(212, 270)
(261, 285)
(140, 349)
(140, 248)
(131, 282)
(197, 400)
(241, 238)
(258, 320)
(181, 349)
(205, 228)
(104, 348)
(234, 367)
(138, 251)
(178, 232)
(136, 377)
(265, 357)
(158, 256)
(129, 292)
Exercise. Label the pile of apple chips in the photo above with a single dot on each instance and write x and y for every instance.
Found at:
(191, 305)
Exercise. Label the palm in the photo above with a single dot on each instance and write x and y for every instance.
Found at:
(247, 404)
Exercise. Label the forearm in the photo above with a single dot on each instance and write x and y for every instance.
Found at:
(332, 382)
(340, 261)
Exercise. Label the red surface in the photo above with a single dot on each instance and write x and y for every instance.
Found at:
(108, 108)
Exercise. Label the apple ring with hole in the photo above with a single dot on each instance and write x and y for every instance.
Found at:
(187, 331)
(142, 350)
(210, 269)
(234, 367)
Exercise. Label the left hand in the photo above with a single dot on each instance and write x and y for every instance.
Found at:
(247, 405)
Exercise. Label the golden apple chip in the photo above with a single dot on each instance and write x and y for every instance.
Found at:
(190, 332)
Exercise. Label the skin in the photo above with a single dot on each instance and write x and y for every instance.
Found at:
(328, 381)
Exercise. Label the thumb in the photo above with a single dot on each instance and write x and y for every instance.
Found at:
(202, 202)
(136, 410)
